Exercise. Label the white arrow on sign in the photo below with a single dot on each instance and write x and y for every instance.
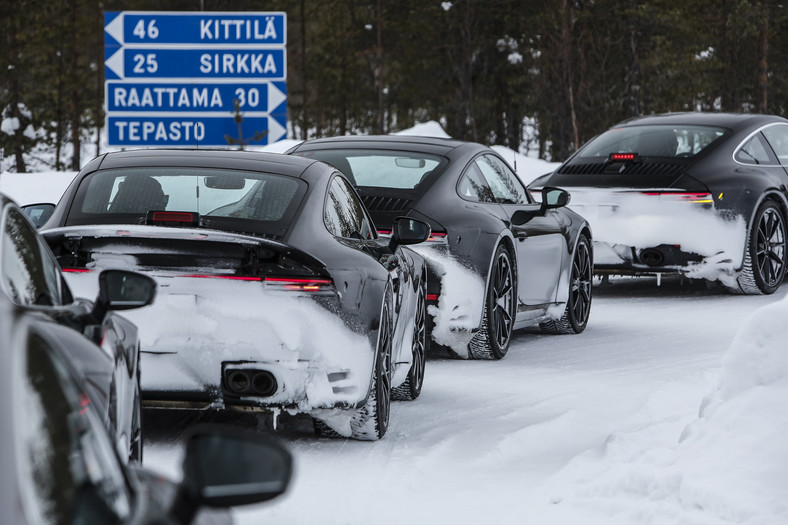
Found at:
(275, 97)
(115, 29)
(275, 130)
(115, 63)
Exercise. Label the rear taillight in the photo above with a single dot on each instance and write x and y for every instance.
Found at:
(438, 238)
(74, 270)
(683, 196)
(293, 284)
(435, 237)
(432, 297)
(219, 276)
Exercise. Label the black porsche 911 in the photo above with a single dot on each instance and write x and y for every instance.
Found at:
(498, 261)
(275, 291)
(699, 194)
(104, 345)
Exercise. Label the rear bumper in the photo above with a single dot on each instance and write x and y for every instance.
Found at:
(664, 258)
(298, 387)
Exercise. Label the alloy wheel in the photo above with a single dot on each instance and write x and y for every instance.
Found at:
(770, 247)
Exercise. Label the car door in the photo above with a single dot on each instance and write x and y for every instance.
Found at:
(540, 244)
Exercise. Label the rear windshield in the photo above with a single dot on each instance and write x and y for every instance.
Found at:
(672, 141)
(232, 200)
(381, 168)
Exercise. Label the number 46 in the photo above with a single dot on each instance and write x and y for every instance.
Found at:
(152, 33)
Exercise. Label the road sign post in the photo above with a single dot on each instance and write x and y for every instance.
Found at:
(172, 77)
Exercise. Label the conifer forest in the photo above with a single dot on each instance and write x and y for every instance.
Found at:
(537, 75)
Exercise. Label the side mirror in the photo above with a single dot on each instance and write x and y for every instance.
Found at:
(39, 213)
(224, 466)
(408, 231)
(554, 197)
(551, 198)
(123, 290)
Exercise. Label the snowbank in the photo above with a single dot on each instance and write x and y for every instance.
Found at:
(726, 466)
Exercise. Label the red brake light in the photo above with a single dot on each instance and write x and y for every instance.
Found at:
(438, 237)
(292, 284)
(173, 218)
(84, 402)
(74, 270)
(623, 157)
(685, 196)
(432, 297)
(219, 276)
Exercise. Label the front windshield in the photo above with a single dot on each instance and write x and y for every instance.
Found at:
(672, 141)
(224, 199)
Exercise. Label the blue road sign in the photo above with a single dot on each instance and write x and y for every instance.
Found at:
(172, 77)
(199, 28)
(158, 63)
(194, 131)
(182, 97)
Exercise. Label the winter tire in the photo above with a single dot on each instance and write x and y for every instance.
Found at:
(411, 388)
(493, 338)
(371, 421)
(764, 255)
(578, 305)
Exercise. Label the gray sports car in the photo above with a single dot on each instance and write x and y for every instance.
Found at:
(497, 259)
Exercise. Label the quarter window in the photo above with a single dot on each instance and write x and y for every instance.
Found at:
(754, 151)
(344, 215)
(778, 139)
(474, 187)
(504, 184)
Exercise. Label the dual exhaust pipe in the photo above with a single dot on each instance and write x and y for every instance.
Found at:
(250, 382)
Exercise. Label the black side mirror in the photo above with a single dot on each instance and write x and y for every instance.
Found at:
(122, 290)
(39, 213)
(405, 230)
(224, 467)
(551, 198)
(554, 197)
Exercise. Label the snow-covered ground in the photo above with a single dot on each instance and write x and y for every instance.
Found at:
(671, 407)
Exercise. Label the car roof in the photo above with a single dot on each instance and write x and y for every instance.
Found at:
(208, 158)
(725, 120)
(437, 145)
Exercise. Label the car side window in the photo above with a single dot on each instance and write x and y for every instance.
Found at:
(473, 186)
(344, 213)
(30, 274)
(754, 151)
(68, 469)
(505, 185)
(778, 139)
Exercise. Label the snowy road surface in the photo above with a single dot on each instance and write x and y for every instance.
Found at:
(566, 429)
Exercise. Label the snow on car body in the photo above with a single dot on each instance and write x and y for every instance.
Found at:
(276, 292)
(498, 261)
(698, 194)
